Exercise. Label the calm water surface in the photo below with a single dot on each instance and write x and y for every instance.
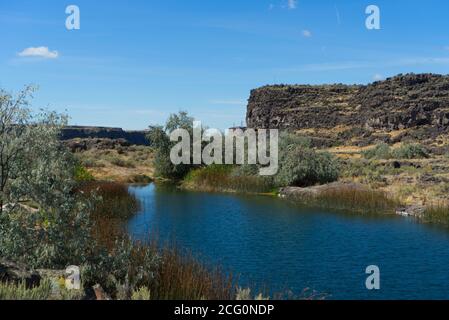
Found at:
(271, 241)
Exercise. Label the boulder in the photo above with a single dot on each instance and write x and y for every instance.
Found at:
(14, 272)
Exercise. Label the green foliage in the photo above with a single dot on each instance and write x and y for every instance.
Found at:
(119, 162)
(13, 291)
(438, 214)
(228, 178)
(383, 151)
(39, 170)
(380, 151)
(160, 141)
(410, 151)
(82, 174)
(141, 294)
(245, 170)
(368, 171)
(301, 166)
(354, 199)
(288, 140)
(158, 138)
(181, 120)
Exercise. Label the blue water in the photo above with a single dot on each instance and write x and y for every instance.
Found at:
(272, 242)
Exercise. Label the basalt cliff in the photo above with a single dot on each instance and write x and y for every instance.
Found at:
(401, 108)
(104, 133)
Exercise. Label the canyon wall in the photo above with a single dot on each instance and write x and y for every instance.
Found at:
(402, 104)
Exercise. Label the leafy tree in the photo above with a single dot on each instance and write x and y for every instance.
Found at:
(160, 140)
(43, 222)
(299, 165)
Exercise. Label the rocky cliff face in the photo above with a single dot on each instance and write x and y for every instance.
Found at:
(132, 137)
(402, 103)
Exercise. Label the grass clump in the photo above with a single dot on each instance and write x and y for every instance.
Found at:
(410, 151)
(120, 162)
(14, 291)
(349, 198)
(227, 178)
(141, 294)
(380, 151)
(113, 206)
(438, 214)
(355, 199)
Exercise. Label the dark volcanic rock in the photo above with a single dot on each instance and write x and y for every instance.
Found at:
(402, 102)
(77, 145)
(13, 272)
(133, 137)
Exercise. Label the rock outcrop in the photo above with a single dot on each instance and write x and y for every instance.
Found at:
(14, 272)
(132, 137)
(84, 144)
(412, 101)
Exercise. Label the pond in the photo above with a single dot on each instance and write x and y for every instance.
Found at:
(274, 243)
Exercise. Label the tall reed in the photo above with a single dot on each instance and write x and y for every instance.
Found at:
(352, 199)
(437, 213)
(219, 178)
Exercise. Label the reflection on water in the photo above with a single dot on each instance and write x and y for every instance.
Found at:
(270, 241)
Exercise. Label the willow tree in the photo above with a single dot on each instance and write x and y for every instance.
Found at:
(36, 168)
(15, 118)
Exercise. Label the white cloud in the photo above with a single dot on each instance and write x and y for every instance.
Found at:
(378, 77)
(39, 52)
(292, 4)
(307, 33)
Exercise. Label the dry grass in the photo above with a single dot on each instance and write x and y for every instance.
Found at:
(128, 165)
(114, 207)
(350, 198)
(438, 214)
(183, 277)
(218, 178)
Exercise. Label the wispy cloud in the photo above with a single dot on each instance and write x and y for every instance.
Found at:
(236, 102)
(349, 65)
(39, 52)
(337, 13)
(378, 77)
(292, 4)
(307, 33)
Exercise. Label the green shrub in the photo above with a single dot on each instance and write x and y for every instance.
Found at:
(301, 166)
(245, 170)
(88, 162)
(288, 140)
(383, 151)
(368, 171)
(410, 151)
(141, 294)
(13, 291)
(380, 151)
(82, 174)
(119, 162)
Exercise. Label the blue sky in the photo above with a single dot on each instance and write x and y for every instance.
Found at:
(134, 62)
